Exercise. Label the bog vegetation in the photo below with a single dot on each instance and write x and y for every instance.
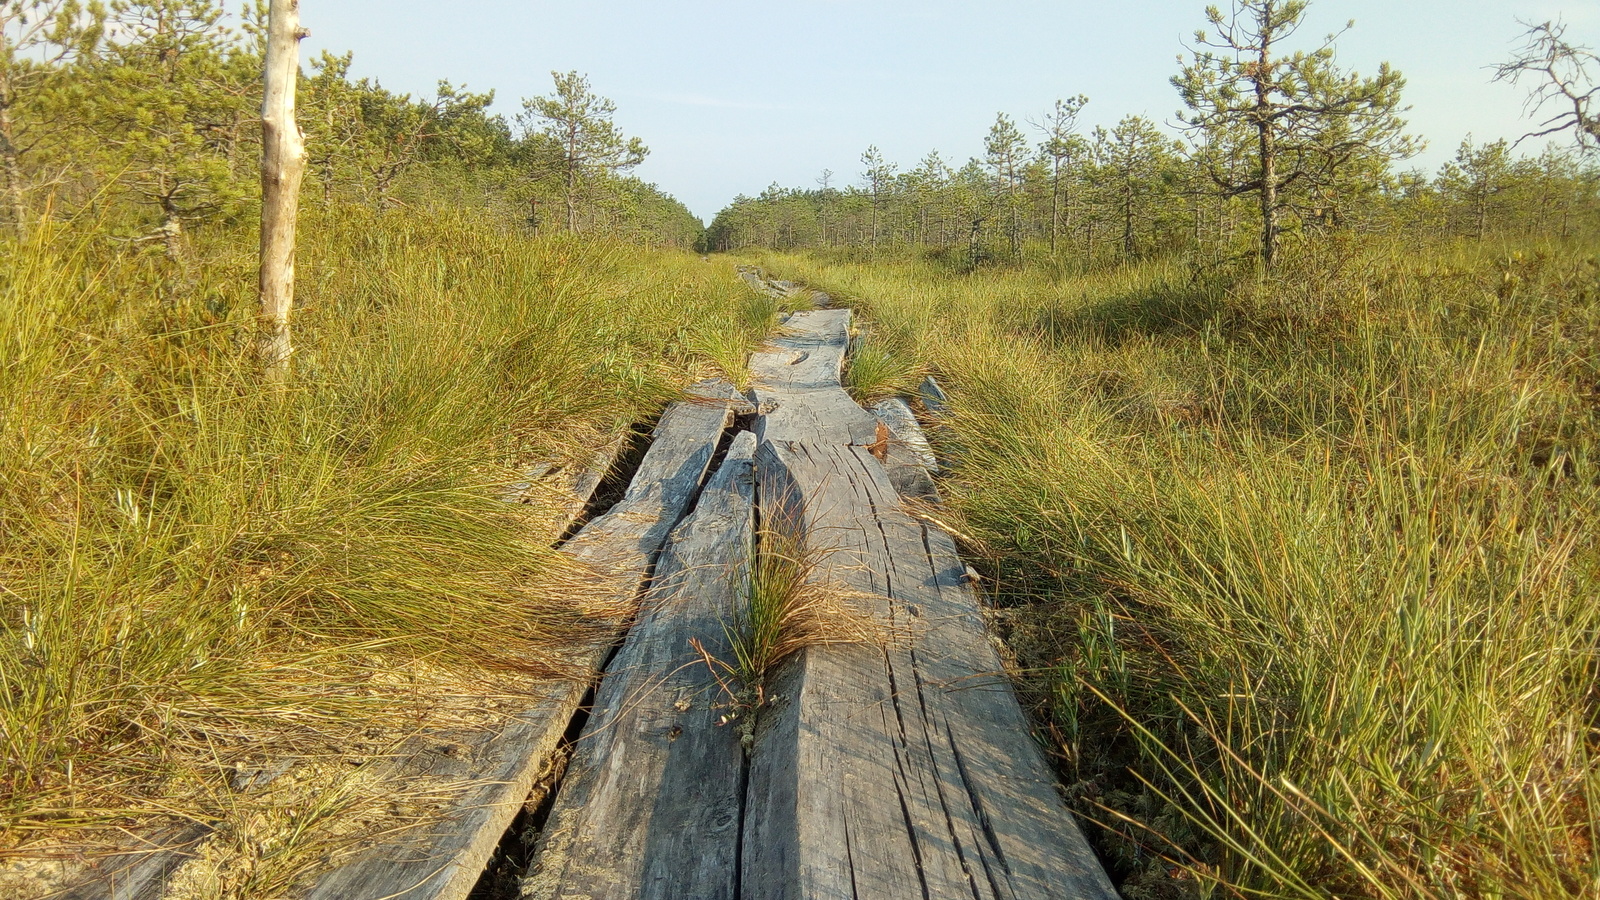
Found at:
(1299, 571)
(1285, 471)
(200, 573)
(1283, 458)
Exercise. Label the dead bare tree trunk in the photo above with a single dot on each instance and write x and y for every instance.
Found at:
(283, 165)
(1266, 130)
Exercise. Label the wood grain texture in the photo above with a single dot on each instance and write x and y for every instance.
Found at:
(485, 775)
(650, 807)
(142, 873)
(795, 379)
(903, 769)
(909, 458)
(896, 414)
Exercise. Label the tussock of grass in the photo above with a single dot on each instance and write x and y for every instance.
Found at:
(777, 617)
(733, 332)
(874, 371)
(784, 611)
(196, 570)
(1301, 568)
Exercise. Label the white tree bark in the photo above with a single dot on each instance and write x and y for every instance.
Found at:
(283, 165)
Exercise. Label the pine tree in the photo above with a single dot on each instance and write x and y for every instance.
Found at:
(877, 178)
(1137, 163)
(1306, 120)
(161, 106)
(1006, 152)
(929, 181)
(38, 40)
(1476, 176)
(283, 165)
(578, 123)
(1063, 147)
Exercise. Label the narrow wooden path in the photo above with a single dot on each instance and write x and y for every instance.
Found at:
(898, 767)
(882, 770)
(488, 774)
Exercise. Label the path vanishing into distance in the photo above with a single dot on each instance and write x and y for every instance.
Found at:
(891, 762)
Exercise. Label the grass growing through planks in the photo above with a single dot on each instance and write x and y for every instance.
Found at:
(772, 621)
(875, 370)
(1301, 569)
(778, 614)
(785, 610)
(198, 573)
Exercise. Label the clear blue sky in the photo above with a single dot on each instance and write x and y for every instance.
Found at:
(732, 95)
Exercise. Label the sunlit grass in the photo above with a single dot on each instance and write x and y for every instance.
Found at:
(874, 371)
(197, 570)
(773, 621)
(1303, 568)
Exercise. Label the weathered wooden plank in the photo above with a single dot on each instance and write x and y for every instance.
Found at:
(796, 383)
(903, 769)
(933, 396)
(753, 277)
(485, 775)
(669, 477)
(650, 807)
(908, 457)
(141, 873)
(568, 491)
(897, 416)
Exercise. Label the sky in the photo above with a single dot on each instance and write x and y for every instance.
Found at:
(734, 95)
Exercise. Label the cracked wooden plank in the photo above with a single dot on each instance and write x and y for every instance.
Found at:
(651, 802)
(909, 457)
(486, 775)
(795, 379)
(900, 769)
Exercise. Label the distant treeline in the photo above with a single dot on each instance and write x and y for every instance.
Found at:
(1133, 191)
(146, 116)
(1276, 144)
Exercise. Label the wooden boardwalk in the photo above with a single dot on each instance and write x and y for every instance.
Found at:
(885, 770)
(900, 767)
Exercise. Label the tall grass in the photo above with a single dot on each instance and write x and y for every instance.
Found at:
(786, 608)
(1302, 569)
(778, 614)
(196, 569)
(874, 370)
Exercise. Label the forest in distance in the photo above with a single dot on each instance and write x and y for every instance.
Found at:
(1139, 190)
(1278, 457)
(145, 118)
